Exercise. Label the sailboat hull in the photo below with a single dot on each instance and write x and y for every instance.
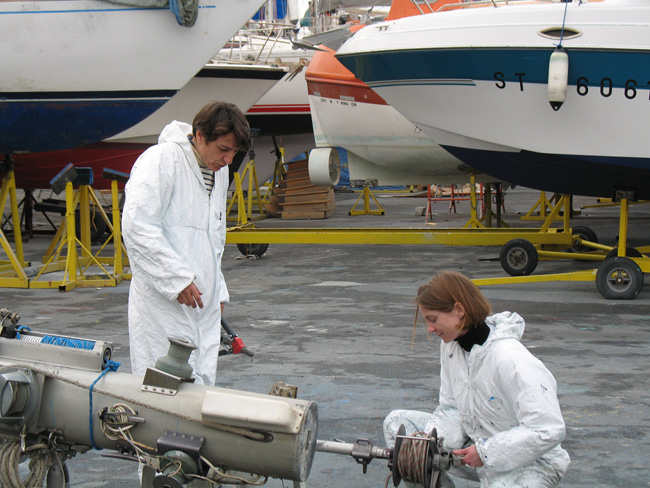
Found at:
(75, 72)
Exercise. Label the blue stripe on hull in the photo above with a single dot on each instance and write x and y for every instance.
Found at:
(48, 125)
(433, 66)
(588, 176)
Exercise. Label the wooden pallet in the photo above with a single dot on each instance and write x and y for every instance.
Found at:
(296, 198)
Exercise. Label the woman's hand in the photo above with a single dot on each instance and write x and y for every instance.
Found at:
(470, 457)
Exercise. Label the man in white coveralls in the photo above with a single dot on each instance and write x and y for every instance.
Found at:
(174, 227)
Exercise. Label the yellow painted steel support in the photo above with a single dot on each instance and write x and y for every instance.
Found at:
(473, 222)
(483, 236)
(253, 194)
(366, 194)
(238, 197)
(622, 226)
(608, 202)
(84, 221)
(540, 209)
(120, 256)
(448, 237)
(73, 275)
(12, 272)
(589, 275)
(545, 205)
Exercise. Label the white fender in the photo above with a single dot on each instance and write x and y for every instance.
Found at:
(324, 166)
(558, 77)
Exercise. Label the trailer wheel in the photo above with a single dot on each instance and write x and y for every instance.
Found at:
(252, 249)
(586, 234)
(519, 257)
(619, 278)
(630, 252)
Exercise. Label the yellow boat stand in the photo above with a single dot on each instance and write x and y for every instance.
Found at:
(12, 273)
(67, 253)
(254, 196)
(366, 194)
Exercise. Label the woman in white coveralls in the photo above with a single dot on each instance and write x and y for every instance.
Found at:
(498, 405)
(174, 228)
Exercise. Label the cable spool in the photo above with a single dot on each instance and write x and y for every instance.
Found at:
(419, 458)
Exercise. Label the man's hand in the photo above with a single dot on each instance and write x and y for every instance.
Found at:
(191, 296)
(470, 457)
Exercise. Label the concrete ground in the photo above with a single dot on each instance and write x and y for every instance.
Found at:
(337, 322)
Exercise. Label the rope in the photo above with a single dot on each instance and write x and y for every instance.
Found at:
(19, 329)
(110, 366)
(563, 24)
(412, 460)
(217, 477)
(11, 455)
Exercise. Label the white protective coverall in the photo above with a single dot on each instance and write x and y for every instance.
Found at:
(502, 399)
(175, 234)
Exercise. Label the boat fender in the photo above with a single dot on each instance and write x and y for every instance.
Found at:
(558, 77)
(324, 166)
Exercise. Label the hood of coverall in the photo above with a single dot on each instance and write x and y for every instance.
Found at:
(177, 132)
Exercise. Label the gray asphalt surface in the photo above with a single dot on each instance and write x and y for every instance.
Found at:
(337, 321)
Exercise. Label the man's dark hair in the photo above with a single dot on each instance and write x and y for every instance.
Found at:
(219, 118)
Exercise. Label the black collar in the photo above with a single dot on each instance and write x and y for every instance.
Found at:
(475, 335)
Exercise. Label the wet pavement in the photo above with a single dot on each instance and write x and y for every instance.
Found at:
(337, 322)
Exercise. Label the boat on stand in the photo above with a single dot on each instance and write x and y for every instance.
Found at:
(381, 144)
(76, 72)
(477, 81)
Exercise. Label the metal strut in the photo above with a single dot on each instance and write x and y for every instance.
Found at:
(433, 456)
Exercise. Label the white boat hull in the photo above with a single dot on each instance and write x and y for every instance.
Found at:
(241, 85)
(78, 71)
(476, 79)
(382, 145)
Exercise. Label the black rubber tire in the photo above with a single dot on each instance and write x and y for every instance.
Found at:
(619, 278)
(630, 252)
(252, 249)
(585, 233)
(519, 257)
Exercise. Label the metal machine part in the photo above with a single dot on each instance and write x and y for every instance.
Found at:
(231, 343)
(429, 454)
(201, 432)
(176, 361)
(20, 397)
(25, 345)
